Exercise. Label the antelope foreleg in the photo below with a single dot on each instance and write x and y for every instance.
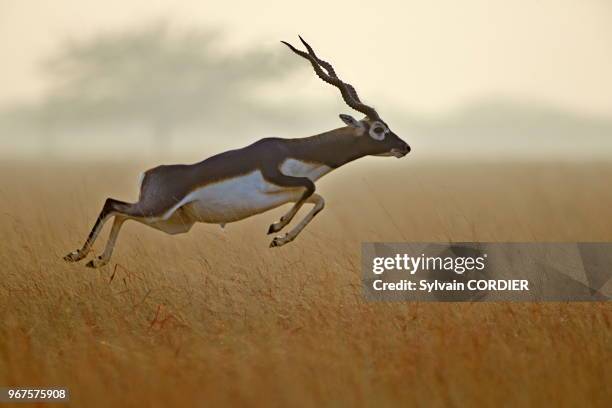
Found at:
(286, 219)
(283, 180)
(319, 203)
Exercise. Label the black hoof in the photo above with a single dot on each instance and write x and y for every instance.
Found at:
(92, 263)
(279, 241)
(275, 228)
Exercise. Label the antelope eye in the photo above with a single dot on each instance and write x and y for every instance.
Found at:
(378, 129)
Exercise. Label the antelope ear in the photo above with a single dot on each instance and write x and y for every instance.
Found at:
(352, 122)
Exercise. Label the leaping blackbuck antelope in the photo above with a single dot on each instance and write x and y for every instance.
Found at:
(240, 183)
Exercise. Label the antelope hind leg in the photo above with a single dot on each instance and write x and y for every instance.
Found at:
(110, 208)
(177, 223)
(110, 244)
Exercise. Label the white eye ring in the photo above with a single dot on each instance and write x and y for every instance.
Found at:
(380, 135)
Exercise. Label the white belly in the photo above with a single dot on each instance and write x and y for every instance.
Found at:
(241, 197)
(234, 199)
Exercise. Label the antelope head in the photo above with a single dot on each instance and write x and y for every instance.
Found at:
(371, 134)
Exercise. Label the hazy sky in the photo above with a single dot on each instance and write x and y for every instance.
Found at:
(428, 56)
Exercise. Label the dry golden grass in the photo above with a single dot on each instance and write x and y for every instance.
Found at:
(215, 317)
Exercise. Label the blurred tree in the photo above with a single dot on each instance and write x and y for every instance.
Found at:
(158, 77)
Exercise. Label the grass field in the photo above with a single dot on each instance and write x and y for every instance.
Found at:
(216, 317)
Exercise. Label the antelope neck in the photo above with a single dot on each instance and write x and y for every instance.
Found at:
(334, 148)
